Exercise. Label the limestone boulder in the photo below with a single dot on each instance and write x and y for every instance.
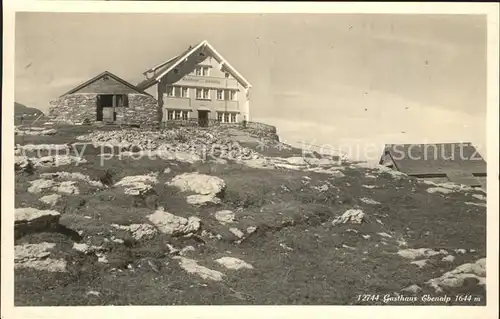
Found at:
(31, 220)
(171, 224)
(198, 183)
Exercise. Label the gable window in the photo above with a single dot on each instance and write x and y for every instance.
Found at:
(184, 92)
(202, 71)
(220, 94)
(226, 75)
(203, 94)
(170, 91)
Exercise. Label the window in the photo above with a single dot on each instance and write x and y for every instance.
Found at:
(170, 91)
(176, 71)
(203, 94)
(202, 71)
(226, 75)
(226, 117)
(121, 100)
(184, 92)
(177, 115)
(232, 95)
(220, 94)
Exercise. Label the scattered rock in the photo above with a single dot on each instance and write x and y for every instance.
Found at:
(476, 204)
(419, 253)
(184, 251)
(138, 184)
(385, 235)
(34, 131)
(284, 246)
(50, 199)
(449, 258)
(412, 289)
(460, 251)
(251, 229)
(441, 190)
(30, 220)
(84, 248)
(139, 231)
(366, 236)
(67, 187)
(57, 160)
(224, 216)
(200, 200)
(369, 201)
(322, 188)
(479, 196)
(93, 293)
(456, 277)
(368, 186)
(72, 176)
(238, 233)
(167, 170)
(420, 263)
(36, 256)
(233, 263)
(174, 225)
(355, 216)
(348, 247)
(40, 185)
(192, 267)
(198, 183)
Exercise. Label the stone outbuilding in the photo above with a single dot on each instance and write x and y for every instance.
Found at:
(105, 98)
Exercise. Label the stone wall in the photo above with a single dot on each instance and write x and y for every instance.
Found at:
(142, 109)
(75, 108)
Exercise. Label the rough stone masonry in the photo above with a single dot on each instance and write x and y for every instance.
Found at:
(76, 108)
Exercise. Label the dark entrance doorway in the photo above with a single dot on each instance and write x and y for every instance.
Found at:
(105, 108)
(107, 104)
(203, 118)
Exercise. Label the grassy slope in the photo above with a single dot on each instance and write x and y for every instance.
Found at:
(317, 269)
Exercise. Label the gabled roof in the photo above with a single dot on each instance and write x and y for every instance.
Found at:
(164, 68)
(442, 158)
(100, 76)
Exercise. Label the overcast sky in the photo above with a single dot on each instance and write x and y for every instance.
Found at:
(337, 79)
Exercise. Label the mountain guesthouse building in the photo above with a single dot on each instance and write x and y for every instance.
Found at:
(198, 85)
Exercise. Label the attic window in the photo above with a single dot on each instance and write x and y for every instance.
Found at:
(202, 54)
(105, 77)
(176, 71)
(226, 74)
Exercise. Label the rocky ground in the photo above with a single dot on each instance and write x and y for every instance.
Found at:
(230, 216)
